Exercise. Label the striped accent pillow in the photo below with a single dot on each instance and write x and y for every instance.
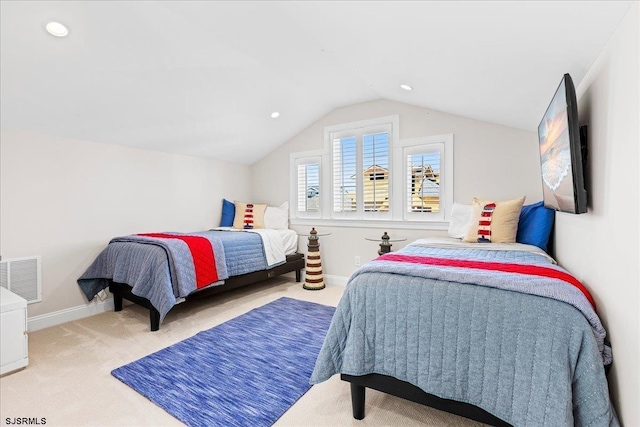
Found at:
(494, 222)
(249, 215)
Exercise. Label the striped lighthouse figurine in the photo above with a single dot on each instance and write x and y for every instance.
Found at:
(313, 275)
(248, 217)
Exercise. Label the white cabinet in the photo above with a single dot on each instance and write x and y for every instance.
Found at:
(13, 337)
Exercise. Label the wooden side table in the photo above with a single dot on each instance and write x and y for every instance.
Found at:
(313, 280)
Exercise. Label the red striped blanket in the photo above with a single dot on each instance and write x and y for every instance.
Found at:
(532, 270)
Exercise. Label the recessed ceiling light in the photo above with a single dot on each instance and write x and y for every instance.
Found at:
(275, 114)
(406, 87)
(57, 29)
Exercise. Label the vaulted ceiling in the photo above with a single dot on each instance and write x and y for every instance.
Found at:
(202, 78)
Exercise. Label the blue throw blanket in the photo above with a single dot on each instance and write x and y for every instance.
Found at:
(527, 359)
(180, 259)
(162, 270)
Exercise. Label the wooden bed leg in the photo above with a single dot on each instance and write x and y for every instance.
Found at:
(298, 276)
(154, 316)
(357, 400)
(117, 302)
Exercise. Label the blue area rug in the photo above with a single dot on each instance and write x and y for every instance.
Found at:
(245, 372)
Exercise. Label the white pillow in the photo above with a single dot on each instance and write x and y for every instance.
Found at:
(277, 217)
(460, 220)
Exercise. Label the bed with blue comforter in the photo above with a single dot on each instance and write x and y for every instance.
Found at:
(506, 331)
(159, 270)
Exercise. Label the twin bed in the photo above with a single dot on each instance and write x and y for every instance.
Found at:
(160, 270)
(497, 333)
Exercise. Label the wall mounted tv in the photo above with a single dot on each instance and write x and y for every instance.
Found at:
(563, 152)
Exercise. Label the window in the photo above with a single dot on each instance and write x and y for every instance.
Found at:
(375, 188)
(307, 193)
(428, 182)
(420, 167)
(423, 185)
(309, 187)
(366, 173)
(361, 169)
(345, 190)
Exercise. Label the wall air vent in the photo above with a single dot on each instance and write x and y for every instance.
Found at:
(22, 277)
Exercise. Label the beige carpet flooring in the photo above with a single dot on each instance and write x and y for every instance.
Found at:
(68, 381)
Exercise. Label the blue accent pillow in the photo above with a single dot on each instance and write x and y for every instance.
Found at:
(535, 224)
(228, 213)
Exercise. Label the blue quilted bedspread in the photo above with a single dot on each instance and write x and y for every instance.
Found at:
(530, 360)
(244, 252)
(161, 270)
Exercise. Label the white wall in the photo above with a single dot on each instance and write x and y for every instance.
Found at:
(601, 246)
(491, 161)
(65, 199)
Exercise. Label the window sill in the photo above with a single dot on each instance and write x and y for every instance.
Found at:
(364, 223)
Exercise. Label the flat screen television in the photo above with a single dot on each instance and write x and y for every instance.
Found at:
(563, 151)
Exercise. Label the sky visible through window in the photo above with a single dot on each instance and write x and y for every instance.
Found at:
(312, 182)
(375, 151)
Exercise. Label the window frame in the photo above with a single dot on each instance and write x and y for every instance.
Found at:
(397, 182)
(388, 124)
(359, 130)
(443, 144)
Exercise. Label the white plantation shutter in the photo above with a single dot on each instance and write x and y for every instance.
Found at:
(345, 189)
(361, 172)
(375, 172)
(423, 187)
(308, 191)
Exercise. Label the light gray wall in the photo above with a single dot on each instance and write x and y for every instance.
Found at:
(65, 199)
(491, 161)
(601, 246)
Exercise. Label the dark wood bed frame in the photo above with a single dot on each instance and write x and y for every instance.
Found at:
(122, 291)
(396, 387)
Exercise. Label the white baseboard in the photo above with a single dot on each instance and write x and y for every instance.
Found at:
(74, 313)
(335, 280)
